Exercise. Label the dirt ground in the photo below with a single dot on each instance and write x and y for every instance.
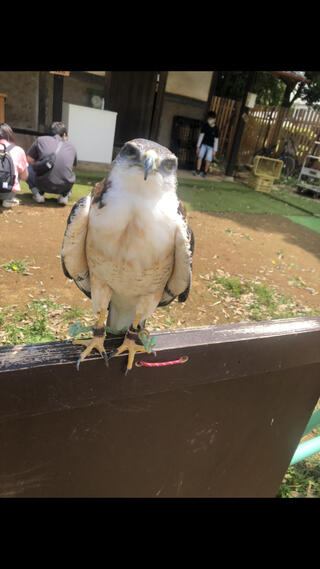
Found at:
(272, 248)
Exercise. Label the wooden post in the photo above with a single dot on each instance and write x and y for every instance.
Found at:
(158, 104)
(282, 112)
(225, 423)
(57, 98)
(2, 107)
(213, 85)
(43, 96)
(240, 126)
(107, 90)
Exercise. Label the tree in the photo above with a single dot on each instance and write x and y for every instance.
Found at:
(308, 92)
(311, 92)
(269, 89)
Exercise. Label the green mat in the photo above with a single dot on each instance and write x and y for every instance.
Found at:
(307, 221)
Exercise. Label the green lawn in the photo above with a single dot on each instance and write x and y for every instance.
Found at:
(239, 198)
(85, 180)
(211, 196)
(309, 221)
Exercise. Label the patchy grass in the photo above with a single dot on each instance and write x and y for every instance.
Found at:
(251, 300)
(16, 266)
(41, 320)
(26, 326)
(302, 480)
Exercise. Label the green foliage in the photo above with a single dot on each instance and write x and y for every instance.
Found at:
(310, 93)
(302, 480)
(269, 89)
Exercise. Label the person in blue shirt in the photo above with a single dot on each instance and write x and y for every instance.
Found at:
(207, 144)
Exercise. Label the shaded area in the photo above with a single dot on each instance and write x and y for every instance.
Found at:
(312, 223)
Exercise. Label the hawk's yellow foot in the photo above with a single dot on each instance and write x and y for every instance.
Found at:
(133, 344)
(97, 342)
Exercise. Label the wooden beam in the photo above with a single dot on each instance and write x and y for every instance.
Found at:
(158, 105)
(212, 89)
(57, 98)
(240, 125)
(224, 424)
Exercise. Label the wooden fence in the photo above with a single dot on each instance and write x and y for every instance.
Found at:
(227, 117)
(224, 424)
(266, 126)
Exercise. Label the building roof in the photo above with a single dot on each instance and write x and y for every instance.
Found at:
(294, 76)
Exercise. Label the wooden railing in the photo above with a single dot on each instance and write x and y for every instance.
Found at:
(224, 424)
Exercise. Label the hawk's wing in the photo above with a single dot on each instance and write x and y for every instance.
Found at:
(73, 252)
(179, 282)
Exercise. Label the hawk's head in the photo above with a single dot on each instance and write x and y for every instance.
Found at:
(144, 165)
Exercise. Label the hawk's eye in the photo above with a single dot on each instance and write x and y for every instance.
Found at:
(130, 152)
(169, 165)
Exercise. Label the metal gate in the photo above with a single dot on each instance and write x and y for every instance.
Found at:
(184, 137)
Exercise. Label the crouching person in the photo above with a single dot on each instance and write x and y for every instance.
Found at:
(51, 159)
(13, 167)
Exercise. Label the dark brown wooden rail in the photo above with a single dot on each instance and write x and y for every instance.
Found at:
(224, 424)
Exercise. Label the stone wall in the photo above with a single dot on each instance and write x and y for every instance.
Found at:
(24, 109)
(76, 90)
(78, 87)
(24, 140)
(21, 88)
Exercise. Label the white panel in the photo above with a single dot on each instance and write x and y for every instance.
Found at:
(195, 84)
(91, 131)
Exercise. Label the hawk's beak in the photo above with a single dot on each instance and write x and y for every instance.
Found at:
(149, 163)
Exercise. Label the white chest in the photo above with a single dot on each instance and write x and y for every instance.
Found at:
(132, 240)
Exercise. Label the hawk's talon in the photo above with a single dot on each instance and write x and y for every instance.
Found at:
(133, 343)
(78, 363)
(106, 359)
(97, 343)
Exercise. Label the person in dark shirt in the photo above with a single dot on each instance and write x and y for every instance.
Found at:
(207, 144)
(59, 179)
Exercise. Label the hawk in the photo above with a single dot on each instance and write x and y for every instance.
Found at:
(128, 246)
